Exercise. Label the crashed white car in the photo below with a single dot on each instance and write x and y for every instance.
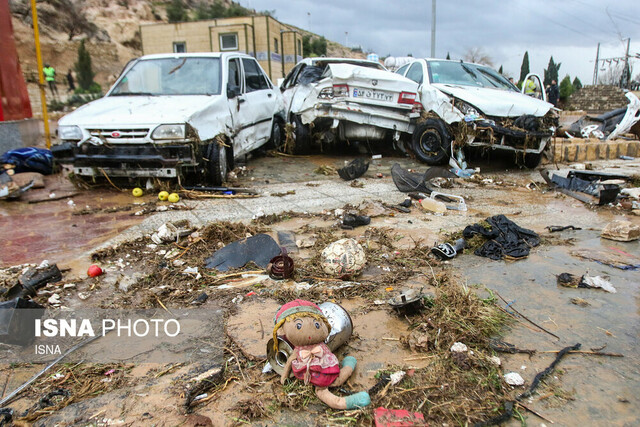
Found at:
(340, 100)
(474, 105)
(174, 116)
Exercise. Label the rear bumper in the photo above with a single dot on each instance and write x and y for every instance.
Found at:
(379, 117)
(126, 160)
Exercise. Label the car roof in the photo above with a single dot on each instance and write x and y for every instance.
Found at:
(355, 61)
(193, 55)
(455, 60)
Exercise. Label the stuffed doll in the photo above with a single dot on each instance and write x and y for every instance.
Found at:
(306, 328)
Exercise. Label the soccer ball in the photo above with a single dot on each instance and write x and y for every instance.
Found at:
(343, 258)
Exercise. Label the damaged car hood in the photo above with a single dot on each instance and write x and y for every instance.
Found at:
(140, 110)
(497, 102)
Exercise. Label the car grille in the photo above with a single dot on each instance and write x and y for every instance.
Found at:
(120, 135)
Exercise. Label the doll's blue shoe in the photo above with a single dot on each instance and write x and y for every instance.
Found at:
(358, 400)
(349, 361)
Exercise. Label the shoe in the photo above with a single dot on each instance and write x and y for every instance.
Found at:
(350, 220)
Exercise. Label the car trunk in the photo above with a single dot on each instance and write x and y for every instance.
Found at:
(368, 86)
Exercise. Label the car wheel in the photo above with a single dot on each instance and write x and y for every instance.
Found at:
(531, 160)
(302, 136)
(276, 135)
(218, 164)
(431, 142)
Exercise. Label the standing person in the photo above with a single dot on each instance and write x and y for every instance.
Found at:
(530, 87)
(50, 78)
(70, 82)
(553, 93)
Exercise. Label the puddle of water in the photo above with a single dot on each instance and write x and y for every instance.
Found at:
(33, 232)
(601, 384)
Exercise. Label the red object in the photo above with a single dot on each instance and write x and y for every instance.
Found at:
(94, 271)
(250, 293)
(14, 99)
(379, 175)
(407, 98)
(398, 418)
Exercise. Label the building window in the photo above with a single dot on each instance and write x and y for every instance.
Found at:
(275, 45)
(299, 47)
(179, 47)
(229, 41)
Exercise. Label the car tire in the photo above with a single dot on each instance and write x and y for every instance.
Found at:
(532, 161)
(218, 163)
(276, 140)
(431, 142)
(302, 136)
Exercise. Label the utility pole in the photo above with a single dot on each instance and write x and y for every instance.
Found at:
(433, 28)
(595, 68)
(626, 78)
(43, 97)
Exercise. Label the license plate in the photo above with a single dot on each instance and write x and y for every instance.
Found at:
(372, 94)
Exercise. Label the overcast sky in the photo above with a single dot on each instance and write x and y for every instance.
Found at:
(567, 29)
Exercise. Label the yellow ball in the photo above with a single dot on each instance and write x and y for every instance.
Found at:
(163, 195)
(137, 192)
(173, 197)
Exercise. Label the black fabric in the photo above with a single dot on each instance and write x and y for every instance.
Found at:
(355, 169)
(506, 238)
(407, 181)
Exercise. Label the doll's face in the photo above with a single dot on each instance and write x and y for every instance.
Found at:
(305, 331)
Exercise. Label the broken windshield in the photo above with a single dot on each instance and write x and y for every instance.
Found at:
(461, 74)
(171, 76)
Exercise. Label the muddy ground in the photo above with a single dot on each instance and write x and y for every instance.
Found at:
(583, 389)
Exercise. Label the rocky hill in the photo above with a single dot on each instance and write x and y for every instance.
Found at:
(110, 27)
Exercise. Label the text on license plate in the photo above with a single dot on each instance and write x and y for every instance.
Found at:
(372, 94)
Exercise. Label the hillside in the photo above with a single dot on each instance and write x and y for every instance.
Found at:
(111, 28)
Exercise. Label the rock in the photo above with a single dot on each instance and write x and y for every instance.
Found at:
(513, 378)
(459, 347)
(83, 295)
(54, 299)
(622, 231)
(495, 360)
(418, 340)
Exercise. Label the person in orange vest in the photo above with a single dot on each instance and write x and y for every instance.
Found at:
(50, 78)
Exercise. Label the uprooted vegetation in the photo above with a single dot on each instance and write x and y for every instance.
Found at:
(453, 388)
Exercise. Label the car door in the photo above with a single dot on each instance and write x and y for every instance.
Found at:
(240, 116)
(256, 106)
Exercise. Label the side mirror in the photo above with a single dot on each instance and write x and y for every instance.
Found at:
(232, 91)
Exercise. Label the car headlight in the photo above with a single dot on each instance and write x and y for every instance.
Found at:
(71, 133)
(169, 132)
(466, 108)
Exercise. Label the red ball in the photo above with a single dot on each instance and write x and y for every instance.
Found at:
(94, 271)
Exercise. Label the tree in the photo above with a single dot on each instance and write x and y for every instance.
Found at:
(448, 56)
(500, 70)
(524, 68)
(176, 12)
(319, 46)
(306, 46)
(551, 73)
(566, 88)
(577, 84)
(83, 68)
(477, 55)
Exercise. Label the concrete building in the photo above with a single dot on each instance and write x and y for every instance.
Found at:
(277, 46)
